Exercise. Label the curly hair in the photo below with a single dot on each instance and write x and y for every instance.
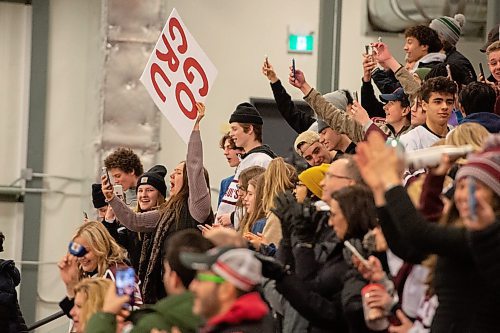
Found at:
(126, 160)
(477, 97)
(437, 85)
(425, 36)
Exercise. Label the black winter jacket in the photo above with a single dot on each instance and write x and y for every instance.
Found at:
(11, 318)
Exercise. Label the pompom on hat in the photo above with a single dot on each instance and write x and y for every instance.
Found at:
(449, 28)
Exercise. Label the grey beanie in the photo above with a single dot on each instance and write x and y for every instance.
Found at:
(449, 28)
(337, 98)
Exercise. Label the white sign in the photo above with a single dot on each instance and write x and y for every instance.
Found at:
(178, 75)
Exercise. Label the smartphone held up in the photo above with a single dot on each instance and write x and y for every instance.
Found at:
(125, 284)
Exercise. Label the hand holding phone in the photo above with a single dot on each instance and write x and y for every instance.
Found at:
(125, 284)
(355, 96)
(481, 71)
(105, 173)
(357, 254)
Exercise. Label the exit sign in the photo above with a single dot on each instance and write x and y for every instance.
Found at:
(300, 43)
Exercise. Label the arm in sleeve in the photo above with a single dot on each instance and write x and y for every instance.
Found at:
(485, 245)
(335, 118)
(199, 195)
(431, 205)
(410, 86)
(385, 81)
(138, 222)
(424, 237)
(370, 102)
(299, 120)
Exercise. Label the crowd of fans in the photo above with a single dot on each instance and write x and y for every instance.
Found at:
(360, 241)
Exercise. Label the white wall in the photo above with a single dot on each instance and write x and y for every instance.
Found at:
(235, 34)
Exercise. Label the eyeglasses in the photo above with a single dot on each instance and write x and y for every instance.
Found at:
(331, 175)
(209, 278)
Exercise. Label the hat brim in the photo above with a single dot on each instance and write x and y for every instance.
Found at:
(389, 98)
(201, 261)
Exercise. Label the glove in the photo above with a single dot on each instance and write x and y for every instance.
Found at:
(282, 204)
(302, 219)
(271, 268)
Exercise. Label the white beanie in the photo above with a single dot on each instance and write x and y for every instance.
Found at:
(449, 28)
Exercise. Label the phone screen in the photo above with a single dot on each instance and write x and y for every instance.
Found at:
(105, 173)
(125, 283)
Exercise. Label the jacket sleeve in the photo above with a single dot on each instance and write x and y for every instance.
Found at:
(431, 205)
(66, 305)
(486, 251)
(199, 195)
(101, 322)
(272, 230)
(410, 86)
(337, 119)
(370, 102)
(138, 222)
(385, 81)
(426, 238)
(299, 120)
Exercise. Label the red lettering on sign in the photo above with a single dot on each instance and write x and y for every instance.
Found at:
(174, 23)
(169, 56)
(193, 63)
(182, 87)
(156, 69)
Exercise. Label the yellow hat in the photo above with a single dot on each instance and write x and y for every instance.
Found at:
(312, 177)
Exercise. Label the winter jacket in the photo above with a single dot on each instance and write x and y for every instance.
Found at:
(458, 59)
(11, 318)
(490, 121)
(175, 310)
(248, 314)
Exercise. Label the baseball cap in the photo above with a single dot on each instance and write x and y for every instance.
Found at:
(397, 95)
(493, 36)
(237, 266)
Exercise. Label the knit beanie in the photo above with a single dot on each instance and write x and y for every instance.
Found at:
(449, 28)
(312, 178)
(308, 137)
(98, 198)
(337, 98)
(246, 113)
(154, 177)
(485, 167)
(321, 125)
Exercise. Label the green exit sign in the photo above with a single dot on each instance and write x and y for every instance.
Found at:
(300, 43)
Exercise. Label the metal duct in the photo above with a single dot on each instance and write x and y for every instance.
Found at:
(397, 15)
(129, 116)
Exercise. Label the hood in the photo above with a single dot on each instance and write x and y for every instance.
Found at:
(8, 267)
(249, 307)
(261, 149)
(429, 58)
(489, 120)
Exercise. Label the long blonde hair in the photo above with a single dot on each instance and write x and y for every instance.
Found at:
(278, 177)
(257, 212)
(468, 134)
(106, 249)
(95, 292)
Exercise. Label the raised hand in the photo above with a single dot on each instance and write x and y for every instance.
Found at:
(368, 66)
(69, 273)
(359, 114)
(107, 188)
(201, 113)
(268, 71)
(112, 302)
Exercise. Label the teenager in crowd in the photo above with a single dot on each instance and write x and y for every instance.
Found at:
(231, 153)
(188, 206)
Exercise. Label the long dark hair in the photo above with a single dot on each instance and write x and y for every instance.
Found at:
(358, 208)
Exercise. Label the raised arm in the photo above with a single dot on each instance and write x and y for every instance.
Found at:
(199, 195)
(337, 119)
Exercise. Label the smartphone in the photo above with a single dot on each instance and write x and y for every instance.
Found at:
(355, 96)
(293, 68)
(118, 190)
(201, 227)
(267, 61)
(125, 284)
(481, 71)
(357, 254)
(105, 173)
(367, 49)
(379, 39)
(85, 216)
(472, 198)
(448, 71)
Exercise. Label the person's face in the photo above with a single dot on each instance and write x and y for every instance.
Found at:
(414, 51)
(231, 154)
(101, 212)
(147, 196)
(335, 179)
(438, 109)
(329, 138)
(249, 199)
(127, 180)
(417, 114)
(394, 112)
(206, 301)
(337, 220)
(494, 64)
(76, 312)
(238, 135)
(315, 154)
(461, 196)
(176, 179)
(89, 260)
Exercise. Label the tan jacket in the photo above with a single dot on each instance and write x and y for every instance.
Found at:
(410, 85)
(272, 230)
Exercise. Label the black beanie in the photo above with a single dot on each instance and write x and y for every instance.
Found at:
(98, 198)
(154, 177)
(246, 113)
